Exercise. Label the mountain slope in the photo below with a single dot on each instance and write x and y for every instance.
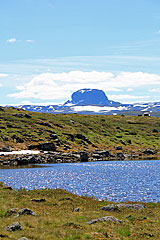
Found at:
(19, 128)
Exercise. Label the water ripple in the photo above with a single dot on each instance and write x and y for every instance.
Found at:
(113, 181)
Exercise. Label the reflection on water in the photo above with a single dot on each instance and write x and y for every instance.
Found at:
(114, 181)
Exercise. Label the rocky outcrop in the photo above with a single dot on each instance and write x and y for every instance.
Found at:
(48, 146)
(25, 211)
(107, 218)
(13, 227)
(117, 207)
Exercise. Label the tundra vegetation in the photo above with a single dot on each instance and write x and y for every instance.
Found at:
(19, 128)
(58, 214)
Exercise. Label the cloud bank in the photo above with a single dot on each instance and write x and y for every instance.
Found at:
(53, 86)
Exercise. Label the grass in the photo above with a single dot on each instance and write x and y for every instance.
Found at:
(105, 132)
(56, 218)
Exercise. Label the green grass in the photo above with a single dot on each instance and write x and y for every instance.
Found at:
(56, 219)
(105, 132)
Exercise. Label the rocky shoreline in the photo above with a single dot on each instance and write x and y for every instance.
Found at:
(73, 157)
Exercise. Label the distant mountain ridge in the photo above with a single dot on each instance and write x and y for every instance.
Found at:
(94, 101)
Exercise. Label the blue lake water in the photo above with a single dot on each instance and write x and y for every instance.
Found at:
(110, 180)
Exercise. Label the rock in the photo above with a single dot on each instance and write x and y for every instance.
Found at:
(19, 115)
(120, 155)
(9, 188)
(76, 210)
(112, 208)
(5, 138)
(11, 211)
(119, 148)
(13, 227)
(82, 137)
(44, 124)
(5, 149)
(48, 146)
(3, 236)
(103, 153)
(18, 139)
(135, 206)
(123, 142)
(149, 151)
(117, 207)
(28, 116)
(107, 218)
(23, 238)
(39, 200)
(155, 131)
(25, 211)
(2, 109)
(53, 136)
(71, 136)
(83, 157)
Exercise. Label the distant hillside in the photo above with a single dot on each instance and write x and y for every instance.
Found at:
(95, 101)
(71, 132)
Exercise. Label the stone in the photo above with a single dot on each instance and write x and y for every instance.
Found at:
(5, 138)
(53, 136)
(44, 124)
(28, 116)
(117, 207)
(82, 137)
(48, 146)
(107, 218)
(39, 200)
(11, 211)
(155, 131)
(123, 142)
(8, 188)
(120, 155)
(25, 211)
(135, 206)
(13, 227)
(83, 157)
(104, 153)
(5, 149)
(119, 148)
(112, 208)
(149, 152)
(23, 238)
(76, 210)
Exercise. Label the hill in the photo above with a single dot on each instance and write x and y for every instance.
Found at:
(72, 132)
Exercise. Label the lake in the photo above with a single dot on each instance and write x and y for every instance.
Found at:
(110, 180)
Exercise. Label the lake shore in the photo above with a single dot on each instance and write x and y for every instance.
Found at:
(26, 157)
(58, 214)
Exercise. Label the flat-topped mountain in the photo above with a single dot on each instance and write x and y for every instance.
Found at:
(89, 97)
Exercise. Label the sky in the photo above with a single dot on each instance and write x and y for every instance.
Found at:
(52, 48)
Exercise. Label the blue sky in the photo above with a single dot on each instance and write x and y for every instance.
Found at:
(51, 48)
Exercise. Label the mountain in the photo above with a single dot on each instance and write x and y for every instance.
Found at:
(95, 101)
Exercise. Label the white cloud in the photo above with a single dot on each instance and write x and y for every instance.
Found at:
(126, 97)
(155, 90)
(129, 89)
(3, 75)
(12, 40)
(29, 41)
(52, 86)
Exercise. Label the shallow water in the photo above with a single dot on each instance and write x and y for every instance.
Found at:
(111, 180)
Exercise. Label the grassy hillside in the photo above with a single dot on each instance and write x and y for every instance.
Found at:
(19, 128)
(56, 219)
